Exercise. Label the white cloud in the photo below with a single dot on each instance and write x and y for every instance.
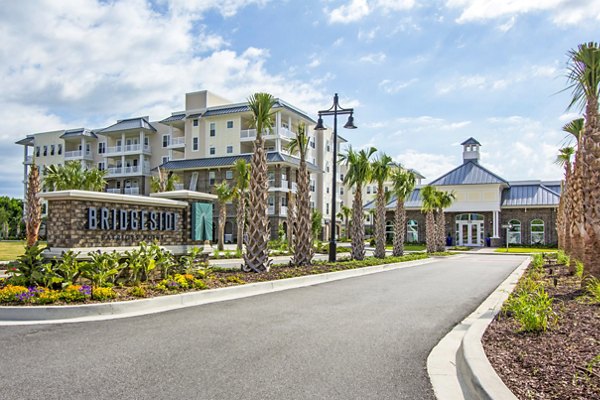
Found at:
(568, 117)
(353, 11)
(392, 87)
(430, 165)
(563, 12)
(426, 123)
(367, 35)
(374, 58)
(395, 5)
(507, 26)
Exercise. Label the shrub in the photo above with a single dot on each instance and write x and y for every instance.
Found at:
(102, 269)
(235, 279)
(537, 261)
(103, 293)
(562, 258)
(531, 309)
(579, 269)
(137, 291)
(68, 267)
(141, 262)
(592, 288)
(199, 284)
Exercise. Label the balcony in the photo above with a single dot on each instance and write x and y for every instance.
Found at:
(283, 187)
(78, 155)
(177, 143)
(128, 149)
(282, 211)
(179, 186)
(28, 160)
(247, 135)
(113, 172)
(113, 190)
(132, 190)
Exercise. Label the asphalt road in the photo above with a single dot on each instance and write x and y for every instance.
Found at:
(359, 338)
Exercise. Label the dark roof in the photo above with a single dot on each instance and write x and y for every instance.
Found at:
(128, 124)
(196, 115)
(173, 118)
(227, 161)
(71, 133)
(244, 107)
(470, 141)
(529, 195)
(28, 141)
(224, 110)
(469, 173)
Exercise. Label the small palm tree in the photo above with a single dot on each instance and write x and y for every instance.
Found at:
(256, 257)
(404, 182)
(242, 180)
(429, 207)
(358, 173)
(584, 81)
(73, 175)
(344, 215)
(164, 182)
(225, 194)
(444, 200)
(303, 242)
(381, 170)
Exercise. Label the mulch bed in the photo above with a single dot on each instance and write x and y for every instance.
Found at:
(554, 364)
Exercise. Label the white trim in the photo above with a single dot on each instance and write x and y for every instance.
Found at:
(113, 198)
(184, 194)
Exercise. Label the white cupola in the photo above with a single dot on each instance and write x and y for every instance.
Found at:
(471, 150)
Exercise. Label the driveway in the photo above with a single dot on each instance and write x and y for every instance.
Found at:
(359, 338)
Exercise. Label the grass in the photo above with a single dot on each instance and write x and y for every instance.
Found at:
(11, 249)
(525, 250)
(409, 247)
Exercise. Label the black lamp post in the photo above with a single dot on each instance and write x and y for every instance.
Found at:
(334, 110)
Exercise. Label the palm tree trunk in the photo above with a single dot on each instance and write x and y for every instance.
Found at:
(241, 220)
(430, 232)
(291, 220)
(358, 226)
(256, 257)
(303, 241)
(34, 207)
(222, 217)
(441, 231)
(399, 228)
(380, 224)
(576, 217)
(591, 190)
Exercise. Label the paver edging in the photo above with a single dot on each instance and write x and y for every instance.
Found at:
(21, 315)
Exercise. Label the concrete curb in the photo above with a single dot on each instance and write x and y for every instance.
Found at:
(457, 366)
(19, 315)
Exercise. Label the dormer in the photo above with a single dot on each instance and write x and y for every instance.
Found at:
(471, 150)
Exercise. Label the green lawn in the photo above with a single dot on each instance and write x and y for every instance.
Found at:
(11, 249)
(524, 250)
(409, 247)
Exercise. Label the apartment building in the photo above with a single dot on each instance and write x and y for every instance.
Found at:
(200, 144)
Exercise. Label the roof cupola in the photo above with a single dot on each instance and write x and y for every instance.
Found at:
(471, 150)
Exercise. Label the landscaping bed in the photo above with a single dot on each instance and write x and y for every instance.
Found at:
(554, 351)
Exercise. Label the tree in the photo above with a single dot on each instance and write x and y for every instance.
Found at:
(303, 239)
(34, 206)
(225, 194)
(584, 81)
(11, 217)
(381, 169)
(403, 183)
(344, 215)
(444, 200)
(164, 182)
(256, 257)
(73, 176)
(242, 180)
(429, 207)
(316, 223)
(564, 159)
(358, 173)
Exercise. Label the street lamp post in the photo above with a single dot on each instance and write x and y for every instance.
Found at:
(334, 110)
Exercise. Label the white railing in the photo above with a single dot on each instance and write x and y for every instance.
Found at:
(283, 211)
(177, 141)
(132, 190)
(114, 150)
(136, 170)
(294, 187)
(271, 210)
(179, 186)
(128, 148)
(285, 132)
(113, 190)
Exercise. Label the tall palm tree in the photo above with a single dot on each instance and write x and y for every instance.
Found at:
(573, 196)
(164, 182)
(344, 215)
(564, 160)
(256, 257)
(381, 170)
(303, 242)
(242, 180)
(584, 79)
(225, 194)
(73, 175)
(429, 207)
(33, 216)
(358, 173)
(403, 182)
(444, 200)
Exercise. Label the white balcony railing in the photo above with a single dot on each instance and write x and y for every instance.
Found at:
(179, 186)
(136, 170)
(113, 190)
(128, 148)
(250, 134)
(283, 186)
(283, 211)
(131, 190)
(271, 210)
(177, 142)
(77, 154)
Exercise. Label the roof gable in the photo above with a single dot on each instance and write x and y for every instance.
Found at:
(470, 140)
(469, 173)
(128, 124)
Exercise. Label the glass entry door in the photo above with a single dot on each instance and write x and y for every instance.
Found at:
(470, 233)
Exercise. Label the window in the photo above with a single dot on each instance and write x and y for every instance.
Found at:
(195, 142)
(45, 151)
(327, 208)
(312, 144)
(327, 166)
(229, 174)
(327, 190)
(213, 129)
(229, 124)
(312, 205)
(101, 147)
(212, 151)
(51, 149)
(166, 139)
(101, 166)
(368, 189)
(88, 148)
(537, 231)
(412, 231)
(328, 147)
(342, 177)
(211, 177)
(165, 159)
(59, 149)
(514, 233)
(37, 151)
(229, 149)
(341, 190)
(195, 122)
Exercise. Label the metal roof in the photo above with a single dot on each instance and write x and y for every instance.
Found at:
(128, 124)
(71, 133)
(228, 161)
(173, 118)
(28, 141)
(535, 195)
(469, 173)
(470, 141)
(244, 107)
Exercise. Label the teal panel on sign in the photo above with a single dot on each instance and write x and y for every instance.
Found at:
(202, 221)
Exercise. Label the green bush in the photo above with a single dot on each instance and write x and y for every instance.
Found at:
(68, 267)
(137, 291)
(562, 258)
(537, 261)
(73, 293)
(532, 310)
(579, 269)
(103, 293)
(102, 268)
(592, 288)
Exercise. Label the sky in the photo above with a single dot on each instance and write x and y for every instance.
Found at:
(422, 75)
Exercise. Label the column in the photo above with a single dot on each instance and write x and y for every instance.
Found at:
(496, 220)
(277, 122)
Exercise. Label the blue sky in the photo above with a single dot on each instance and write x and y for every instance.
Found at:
(422, 75)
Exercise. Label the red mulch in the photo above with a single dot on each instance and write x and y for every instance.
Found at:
(553, 364)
